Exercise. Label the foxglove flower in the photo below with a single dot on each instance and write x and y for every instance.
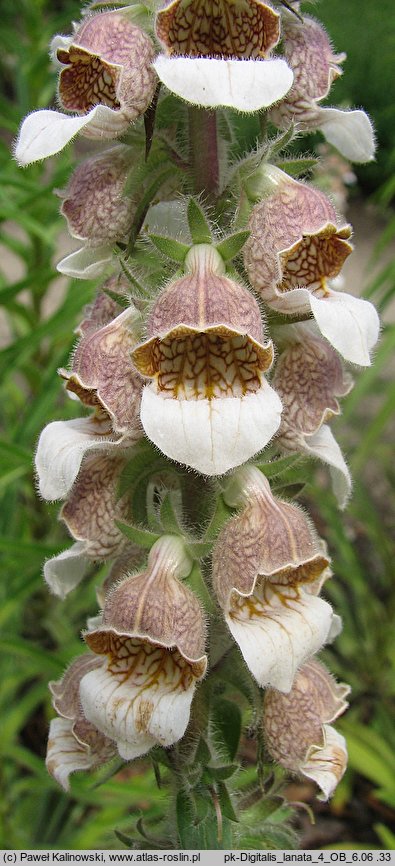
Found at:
(94, 204)
(297, 728)
(309, 53)
(90, 512)
(209, 405)
(220, 54)
(151, 644)
(296, 245)
(309, 376)
(268, 565)
(73, 742)
(106, 82)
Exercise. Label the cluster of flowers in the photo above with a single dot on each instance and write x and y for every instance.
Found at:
(192, 376)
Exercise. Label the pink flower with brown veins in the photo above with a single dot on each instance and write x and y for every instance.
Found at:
(296, 245)
(218, 53)
(73, 742)
(106, 81)
(309, 53)
(151, 643)
(297, 727)
(209, 405)
(309, 376)
(268, 568)
(94, 204)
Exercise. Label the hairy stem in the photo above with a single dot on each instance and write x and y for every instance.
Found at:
(203, 143)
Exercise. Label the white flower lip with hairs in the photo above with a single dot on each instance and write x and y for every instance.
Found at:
(277, 629)
(136, 718)
(61, 448)
(86, 263)
(246, 85)
(326, 764)
(211, 436)
(65, 571)
(350, 132)
(44, 133)
(322, 444)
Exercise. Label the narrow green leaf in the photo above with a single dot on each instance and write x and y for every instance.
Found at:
(231, 246)
(221, 773)
(226, 802)
(297, 167)
(226, 723)
(278, 466)
(198, 225)
(141, 537)
(174, 250)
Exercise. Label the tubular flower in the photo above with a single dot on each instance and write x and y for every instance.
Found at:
(151, 643)
(89, 513)
(94, 204)
(106, 81)
(295, 247)
(309, 377)
(73, 742)
(215, 53)
(297, 727)
(209, 405)
(309, 53)
(268, 565)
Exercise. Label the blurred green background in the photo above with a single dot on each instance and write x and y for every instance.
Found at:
(39, 634)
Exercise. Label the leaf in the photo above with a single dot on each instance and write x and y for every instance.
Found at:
(226, 802)
(278, 466)
(226, 725)
(198, 225)
(231, 246)
(173, 249)
(297, 167)
(220, 774)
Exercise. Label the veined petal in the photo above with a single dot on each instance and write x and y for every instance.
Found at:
(65, 754)
(351, 132)
(350, 324)
(277, 629)
(86, 263)
(246, 85)
(142, 709)
(44, 133)
(326, 764)
(65, 571)
(323, 444)
(215, 435)
(61, 448)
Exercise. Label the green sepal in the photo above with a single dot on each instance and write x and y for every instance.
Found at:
(199, 549)
(169, 518)
(226, 725)
(119, 299)
(198, 225)
(279, 143)
(221, 515)
(231, 246)
(297, 167)
(174, 250)
(198, 586)
(202, 754)
(226, 802)
(278, 466)
(141, 537)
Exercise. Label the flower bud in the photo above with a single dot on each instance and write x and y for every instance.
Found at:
(209, 405)
(297, 730)
(94, 204)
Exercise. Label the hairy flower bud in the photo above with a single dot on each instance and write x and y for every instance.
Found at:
(152, 637)
(94, 204)
(297, 730)
(268, 563)
(209, 405)
(296, 245)
(106, 79)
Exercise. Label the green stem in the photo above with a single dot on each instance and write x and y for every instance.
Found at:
(203, 143)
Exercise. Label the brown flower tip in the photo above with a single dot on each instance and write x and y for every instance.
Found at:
(107, 63)
(155, 607)
(269, 540)
(221, 29)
